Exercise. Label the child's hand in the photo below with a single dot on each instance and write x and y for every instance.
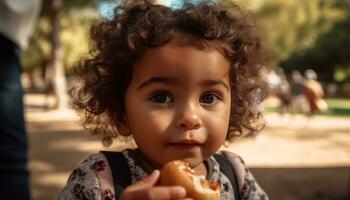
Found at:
(146, 190)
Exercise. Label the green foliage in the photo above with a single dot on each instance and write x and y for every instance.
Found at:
(75, 33)
(75, 19)
(38, 52)
(288, 26)
(330, 53)
(295, 34)
(305, 34)
(338, 103)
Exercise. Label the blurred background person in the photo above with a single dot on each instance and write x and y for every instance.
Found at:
(298, 99)
(313, 92)
(17, 18)
(283, 92)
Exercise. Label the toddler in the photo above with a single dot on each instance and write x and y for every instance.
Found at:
(181, 83)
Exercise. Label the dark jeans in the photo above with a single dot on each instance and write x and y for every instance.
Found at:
(14, 176)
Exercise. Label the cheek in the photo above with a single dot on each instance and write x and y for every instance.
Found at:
(217, 135)
(218, 125)
(144, 119)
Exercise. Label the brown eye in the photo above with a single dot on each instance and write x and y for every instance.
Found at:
(209, 99)
(161, 98)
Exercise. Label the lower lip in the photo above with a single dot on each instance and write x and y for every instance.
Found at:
(185, 147)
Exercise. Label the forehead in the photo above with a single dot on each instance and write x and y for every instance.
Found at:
(182, 62)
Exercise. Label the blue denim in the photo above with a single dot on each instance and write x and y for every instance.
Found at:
(14, 176)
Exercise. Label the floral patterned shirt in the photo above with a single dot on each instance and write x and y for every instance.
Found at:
(92, 180)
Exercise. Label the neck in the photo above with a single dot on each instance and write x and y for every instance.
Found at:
(145, 162)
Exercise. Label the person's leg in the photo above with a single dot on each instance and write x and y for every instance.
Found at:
(14, 177)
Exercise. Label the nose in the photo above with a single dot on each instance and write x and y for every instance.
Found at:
(189, 118)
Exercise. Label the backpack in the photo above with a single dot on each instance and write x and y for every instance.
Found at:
(121, 172)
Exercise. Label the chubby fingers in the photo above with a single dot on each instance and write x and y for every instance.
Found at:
(146, 182)
(146, 189)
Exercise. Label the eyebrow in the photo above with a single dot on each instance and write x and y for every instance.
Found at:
(168, 80)
(163, 80)
(212, 82)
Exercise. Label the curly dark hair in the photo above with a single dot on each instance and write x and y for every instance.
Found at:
(117, 43)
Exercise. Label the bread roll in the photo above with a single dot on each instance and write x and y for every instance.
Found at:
(197, 187)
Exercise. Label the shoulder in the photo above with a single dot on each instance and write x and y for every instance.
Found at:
(249, 187)
(88, 180)
(237, 163)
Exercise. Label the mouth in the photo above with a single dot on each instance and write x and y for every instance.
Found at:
(186, 145)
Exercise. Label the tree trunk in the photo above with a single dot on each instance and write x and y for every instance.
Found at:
(56, 65)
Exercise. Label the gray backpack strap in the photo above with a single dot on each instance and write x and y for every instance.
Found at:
(229, 171)
(120, 171)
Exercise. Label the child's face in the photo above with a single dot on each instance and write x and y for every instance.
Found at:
(178, 103)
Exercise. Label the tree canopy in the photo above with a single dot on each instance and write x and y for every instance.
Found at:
(295, 34)
(329, 53)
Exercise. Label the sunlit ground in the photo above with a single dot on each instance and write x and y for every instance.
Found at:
(293, 158)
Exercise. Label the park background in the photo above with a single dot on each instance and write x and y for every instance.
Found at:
(294, 157)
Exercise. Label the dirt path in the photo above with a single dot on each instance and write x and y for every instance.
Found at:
(293, 158)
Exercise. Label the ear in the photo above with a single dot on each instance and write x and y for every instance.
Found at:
(124, 128)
